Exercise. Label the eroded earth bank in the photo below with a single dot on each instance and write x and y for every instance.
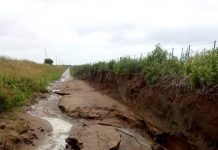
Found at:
(174, 114)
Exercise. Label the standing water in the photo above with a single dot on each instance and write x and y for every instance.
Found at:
(48, 110)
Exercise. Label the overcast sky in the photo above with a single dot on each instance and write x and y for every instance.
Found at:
(83, 31)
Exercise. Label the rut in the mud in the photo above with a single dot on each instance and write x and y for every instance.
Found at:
(47, 109)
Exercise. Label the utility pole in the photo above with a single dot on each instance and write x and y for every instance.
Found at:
(189, 48)
(45, 54)
(214, 45)
(56, 61)
(172, 52)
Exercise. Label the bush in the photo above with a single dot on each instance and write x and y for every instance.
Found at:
(201, 69)
(204, 68)
(48, 61)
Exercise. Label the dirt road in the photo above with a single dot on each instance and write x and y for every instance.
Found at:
(103, 123)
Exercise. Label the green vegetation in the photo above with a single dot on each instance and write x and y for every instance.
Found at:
(48, 61)
(20, 79)
(201, 69)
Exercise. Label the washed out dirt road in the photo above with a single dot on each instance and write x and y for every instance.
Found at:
(80, 117)
(103, 123)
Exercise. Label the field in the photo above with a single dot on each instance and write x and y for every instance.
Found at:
(19, 79)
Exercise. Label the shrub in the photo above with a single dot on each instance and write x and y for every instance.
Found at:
(48, 61)
(201, 69)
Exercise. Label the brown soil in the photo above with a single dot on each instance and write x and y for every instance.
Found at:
(186, 118)
(21, 131)
(104, 123)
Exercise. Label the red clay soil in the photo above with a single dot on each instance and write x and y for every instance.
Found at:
(186, 117)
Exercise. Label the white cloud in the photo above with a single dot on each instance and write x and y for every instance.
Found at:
(82, 31)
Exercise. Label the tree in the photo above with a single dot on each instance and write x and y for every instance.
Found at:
(48, 61)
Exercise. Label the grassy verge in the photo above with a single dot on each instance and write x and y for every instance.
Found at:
(20, 79)
(201, 69)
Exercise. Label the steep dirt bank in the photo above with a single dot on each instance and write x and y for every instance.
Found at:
(103, 123)
(183, 115)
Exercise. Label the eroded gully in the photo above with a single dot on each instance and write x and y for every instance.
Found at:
(48, 110)
(108, 128)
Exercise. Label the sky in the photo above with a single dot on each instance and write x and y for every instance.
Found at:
(84, 31)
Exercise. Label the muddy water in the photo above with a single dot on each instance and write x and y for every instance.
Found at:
(48, 110)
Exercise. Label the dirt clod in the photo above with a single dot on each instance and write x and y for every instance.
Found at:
(117, 147)
(73, 144)
(61, 93)
(42, 130)
(2, 126)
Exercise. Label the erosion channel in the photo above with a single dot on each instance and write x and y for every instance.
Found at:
(83, 118)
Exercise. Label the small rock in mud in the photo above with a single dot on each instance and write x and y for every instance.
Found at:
(33, 136)
(27, 141)
(84, 125)
(16, 141)
(73, 144)
(42, 130)
(2, 126)
(61, 93)
(117, 147)
(62, 108)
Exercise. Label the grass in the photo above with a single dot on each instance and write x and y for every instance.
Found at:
(19, 79)
(201, 68)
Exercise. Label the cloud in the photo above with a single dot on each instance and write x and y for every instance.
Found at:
(185, 35)
(83, 31)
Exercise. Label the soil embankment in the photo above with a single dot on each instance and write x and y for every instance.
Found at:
(186, 117)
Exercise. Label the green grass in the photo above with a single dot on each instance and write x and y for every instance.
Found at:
(20, 79)
(201, 69)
